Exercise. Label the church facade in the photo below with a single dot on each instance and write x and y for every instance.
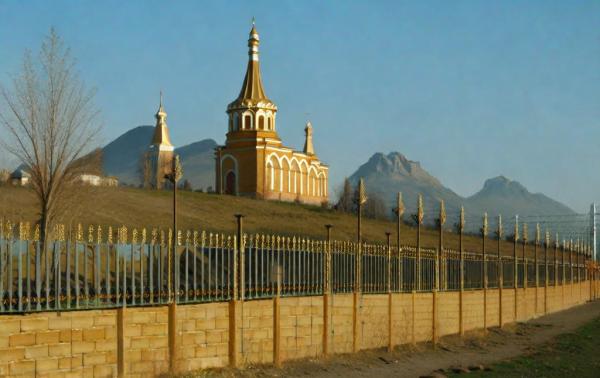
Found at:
(254, 162)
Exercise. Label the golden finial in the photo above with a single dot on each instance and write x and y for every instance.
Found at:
(442, 213)
(61, 232)
(99, 234)
(154, 236)
(110, 235)
(123, 236)
(178, 237)
(525, 232)
(538, 233)
(203, 237)
(188, 235)
(36, 233)
(547, 237)
(79, 235)
(399, 210)
(144, 235)
(134, 236)
(516, 227)
(485, 224)
(21, 231)
(90, 234)
(195, 238)
(162, 237)
(170, 236)
(420, 211)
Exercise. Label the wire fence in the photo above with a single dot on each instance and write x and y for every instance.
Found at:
(110, 269)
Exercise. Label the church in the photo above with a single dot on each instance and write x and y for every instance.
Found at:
(254, 162)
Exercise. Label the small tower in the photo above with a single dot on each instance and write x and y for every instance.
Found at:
(159, 158)
(308, 143)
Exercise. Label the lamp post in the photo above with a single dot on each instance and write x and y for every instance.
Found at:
(173, 177)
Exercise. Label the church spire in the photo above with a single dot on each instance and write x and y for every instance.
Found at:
(308, 144)
(161, 131)
(252, 93)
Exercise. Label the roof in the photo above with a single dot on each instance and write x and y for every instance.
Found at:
(161, 131)
(253, 92)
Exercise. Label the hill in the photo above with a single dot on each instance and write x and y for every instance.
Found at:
(211, 212)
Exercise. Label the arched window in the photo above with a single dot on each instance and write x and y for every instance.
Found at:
(247, 122)
(236, 122)
(261, 122)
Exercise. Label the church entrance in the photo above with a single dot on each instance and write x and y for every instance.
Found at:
(230, 183)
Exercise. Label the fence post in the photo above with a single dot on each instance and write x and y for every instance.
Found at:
(525, 238)
(546, 245)
(484, 231)
(399, 210)
(326, 290)
(436, 272)
(564, 273)
(555, 262)
(500, 270)
(389, 291)
(515, 264)
(233, 302)
(360, 200)
(461, 268)
(537, 267)
(276, 317)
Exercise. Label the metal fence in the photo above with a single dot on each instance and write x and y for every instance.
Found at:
(113, 269)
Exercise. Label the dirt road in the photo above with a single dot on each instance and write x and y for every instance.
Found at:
(452, 351)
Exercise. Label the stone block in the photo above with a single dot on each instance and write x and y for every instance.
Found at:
(21, 339)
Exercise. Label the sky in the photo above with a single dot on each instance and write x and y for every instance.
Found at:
(471, 89)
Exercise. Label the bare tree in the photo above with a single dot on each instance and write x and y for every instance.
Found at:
(345, 198)
(51, 121)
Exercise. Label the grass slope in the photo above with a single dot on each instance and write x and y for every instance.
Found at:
(569, 355)
(200, 211)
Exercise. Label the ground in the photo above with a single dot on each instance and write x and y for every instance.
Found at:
(215, 213)
(557, 345)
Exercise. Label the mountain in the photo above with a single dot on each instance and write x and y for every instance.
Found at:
(198, 161)
(513, 198)
(386, 175)
(121, 158)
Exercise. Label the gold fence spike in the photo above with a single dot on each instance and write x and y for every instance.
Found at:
(99, 234)
(195, 238)
(153, 236)
(144, 235)
(36, 233)
(110, 235)
(134, 236)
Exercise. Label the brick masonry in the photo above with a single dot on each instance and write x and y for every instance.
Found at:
(85, 343)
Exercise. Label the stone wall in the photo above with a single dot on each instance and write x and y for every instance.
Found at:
(148, 341)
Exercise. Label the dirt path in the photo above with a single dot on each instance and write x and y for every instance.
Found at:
(452, 351)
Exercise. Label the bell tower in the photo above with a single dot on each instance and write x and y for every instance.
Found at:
(159, 158)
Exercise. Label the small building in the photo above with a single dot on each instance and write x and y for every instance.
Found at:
(20, 177)
(96, 180)
(254, 162)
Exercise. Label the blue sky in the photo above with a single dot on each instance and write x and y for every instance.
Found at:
(471, 89)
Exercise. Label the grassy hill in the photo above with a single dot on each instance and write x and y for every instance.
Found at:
(138, 208)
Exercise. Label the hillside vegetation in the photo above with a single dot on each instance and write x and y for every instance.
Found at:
(200, 211)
